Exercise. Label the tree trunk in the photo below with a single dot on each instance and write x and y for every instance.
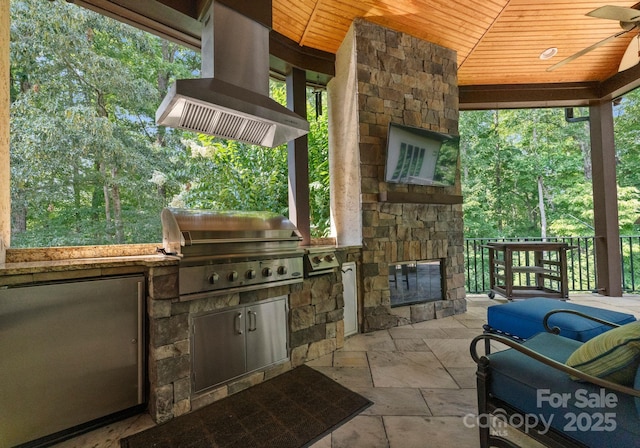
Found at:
(107, 202)
(96, 202)
(19, 216)
(534, 147)
(168, 55)
(585, 148)
(543, 213)
(498, 173)
(117, 209)
(77, 203)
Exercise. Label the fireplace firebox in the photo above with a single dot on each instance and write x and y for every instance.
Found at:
(413, 282)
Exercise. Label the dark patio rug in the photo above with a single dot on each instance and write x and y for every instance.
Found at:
(294, 409)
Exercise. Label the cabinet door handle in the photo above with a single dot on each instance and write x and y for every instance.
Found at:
(252, 327)
(239, 323)
(344, 271)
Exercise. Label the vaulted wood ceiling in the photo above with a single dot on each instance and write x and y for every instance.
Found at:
(498, 42)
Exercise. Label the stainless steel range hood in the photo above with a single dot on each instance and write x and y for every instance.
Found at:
(231, 100)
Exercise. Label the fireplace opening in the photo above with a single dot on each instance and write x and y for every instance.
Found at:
(416, 282)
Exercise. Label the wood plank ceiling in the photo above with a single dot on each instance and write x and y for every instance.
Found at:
(497, 41)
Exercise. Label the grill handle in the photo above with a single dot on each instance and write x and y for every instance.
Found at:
(190, 241)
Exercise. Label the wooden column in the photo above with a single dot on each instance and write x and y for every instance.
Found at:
(298, 158)
(605, 199)
(5, 190)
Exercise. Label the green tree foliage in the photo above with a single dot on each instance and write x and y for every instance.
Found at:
(319, 168)
(83, 143)
(506, 154)
(233, 176)
(229, 175)
(88, 163)
(627, 138)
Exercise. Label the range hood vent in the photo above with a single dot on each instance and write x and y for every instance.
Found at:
(211, 120)
(214, 107)
(231, 99)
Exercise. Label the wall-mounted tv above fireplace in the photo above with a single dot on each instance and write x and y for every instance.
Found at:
(422, 157)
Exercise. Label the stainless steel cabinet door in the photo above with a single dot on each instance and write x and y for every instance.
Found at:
(230, 343)
(71, 353)
(218, 347)
(350, 298)
(266, 333)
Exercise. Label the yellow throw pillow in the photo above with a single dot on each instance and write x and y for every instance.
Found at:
(613, 355)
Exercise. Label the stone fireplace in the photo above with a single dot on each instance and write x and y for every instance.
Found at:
(382, 77)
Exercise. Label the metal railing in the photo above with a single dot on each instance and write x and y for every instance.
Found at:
(581, 264)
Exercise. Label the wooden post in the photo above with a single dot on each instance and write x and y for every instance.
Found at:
(508, 272)
(5, 190)
(564, 281)
(298, 158)
(605, 199)
(492, 269)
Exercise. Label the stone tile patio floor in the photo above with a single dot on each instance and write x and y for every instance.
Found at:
(420, 377)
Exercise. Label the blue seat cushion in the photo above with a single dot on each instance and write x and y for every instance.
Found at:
(574, 408)
(524, 318)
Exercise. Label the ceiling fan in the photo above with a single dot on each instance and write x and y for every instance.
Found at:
(629, 19)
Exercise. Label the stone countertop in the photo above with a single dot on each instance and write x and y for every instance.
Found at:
(33, 267)
(51, 264)
(41, 266)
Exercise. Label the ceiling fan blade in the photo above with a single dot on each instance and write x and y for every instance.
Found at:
(586, 50)
(618, 13)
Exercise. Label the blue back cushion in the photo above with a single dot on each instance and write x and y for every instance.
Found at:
(524, 318)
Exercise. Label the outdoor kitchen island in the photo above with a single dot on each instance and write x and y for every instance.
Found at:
(314, 326)
(313, 322)
(234, 269)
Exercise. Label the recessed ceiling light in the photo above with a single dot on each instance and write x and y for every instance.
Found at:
(548, 53)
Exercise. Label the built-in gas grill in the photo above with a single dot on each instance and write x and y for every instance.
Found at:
(224, 252)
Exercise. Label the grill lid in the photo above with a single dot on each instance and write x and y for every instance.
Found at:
(185, 227)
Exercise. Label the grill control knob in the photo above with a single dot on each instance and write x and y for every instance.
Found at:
(251, 274)
(317, 259)
(329, 258)
(233, 276)
(213, 278)
(267, 272)
(282, 270)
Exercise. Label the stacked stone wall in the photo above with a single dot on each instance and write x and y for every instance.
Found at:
(408, 81)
